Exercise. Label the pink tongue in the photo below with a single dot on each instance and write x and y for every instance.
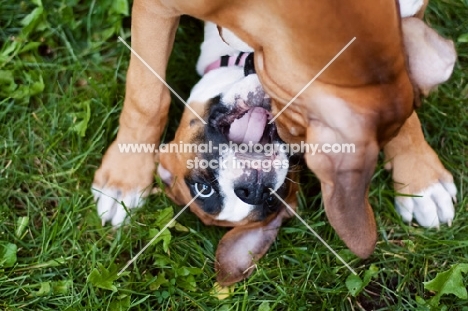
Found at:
(250, 127)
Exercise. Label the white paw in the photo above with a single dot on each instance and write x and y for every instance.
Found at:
(112, 204)
(430, 207)
(410, 7)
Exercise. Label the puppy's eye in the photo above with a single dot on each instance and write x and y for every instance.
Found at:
(203, 190)
(271, 202)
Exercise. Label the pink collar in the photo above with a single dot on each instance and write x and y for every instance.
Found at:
(226, 60)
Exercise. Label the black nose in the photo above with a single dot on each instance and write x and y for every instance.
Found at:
(252, 194)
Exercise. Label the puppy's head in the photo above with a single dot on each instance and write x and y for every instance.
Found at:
(230, 164)
(233, 161)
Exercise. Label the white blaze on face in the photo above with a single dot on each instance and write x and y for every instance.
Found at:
(234, 209)
(243, 88)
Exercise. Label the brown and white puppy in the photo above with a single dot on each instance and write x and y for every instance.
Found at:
(366, 97)
(233, 186)
(213, 160)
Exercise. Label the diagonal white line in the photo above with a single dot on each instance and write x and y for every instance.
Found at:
(162, 80)
(315, 233)
(157, 235)
(313, 79)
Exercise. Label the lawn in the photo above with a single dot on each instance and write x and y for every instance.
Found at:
(62, 75)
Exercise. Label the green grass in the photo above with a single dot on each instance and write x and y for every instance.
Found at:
(62, 78)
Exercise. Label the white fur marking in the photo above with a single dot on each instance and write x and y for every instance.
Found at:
(164, 174)
(242, 89)
(215, 83)
(109, 204)
(430, 207)
(234, 209)
(410, 7)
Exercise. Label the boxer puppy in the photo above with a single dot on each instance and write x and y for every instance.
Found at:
(232, 183)
(365, 97)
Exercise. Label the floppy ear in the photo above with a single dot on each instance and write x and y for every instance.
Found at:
(431, 58)
(242, 246)
(345, 182)
(345, 175)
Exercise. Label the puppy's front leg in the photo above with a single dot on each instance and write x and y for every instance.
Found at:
(126, 177)
(418, 171)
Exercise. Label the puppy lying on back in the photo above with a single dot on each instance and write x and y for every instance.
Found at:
(231, 162)
(231, 101)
